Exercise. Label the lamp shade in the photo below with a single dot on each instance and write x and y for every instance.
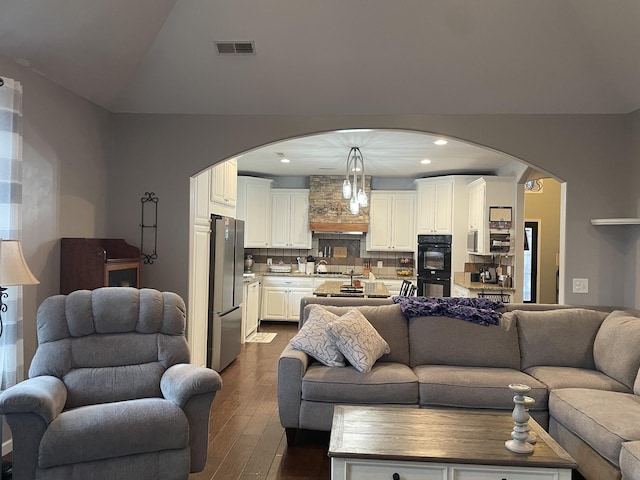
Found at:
(13, 267)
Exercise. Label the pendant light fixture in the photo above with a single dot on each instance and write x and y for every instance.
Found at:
(357, 196)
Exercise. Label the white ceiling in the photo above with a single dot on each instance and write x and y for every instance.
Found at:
(386, 153)
(335, 57)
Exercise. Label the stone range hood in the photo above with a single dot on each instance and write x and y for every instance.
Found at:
(329, 212)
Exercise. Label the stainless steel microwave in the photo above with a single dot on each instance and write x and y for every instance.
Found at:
(472, 241)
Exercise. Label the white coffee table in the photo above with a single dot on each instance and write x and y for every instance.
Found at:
(370, 443)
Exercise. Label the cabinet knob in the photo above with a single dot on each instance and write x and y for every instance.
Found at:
(395, 476)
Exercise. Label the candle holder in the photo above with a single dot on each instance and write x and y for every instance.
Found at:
(519, 442)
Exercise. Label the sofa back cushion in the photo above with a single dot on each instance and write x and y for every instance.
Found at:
(389, 322)
(558, 338)
(442, 340)
(616, 349)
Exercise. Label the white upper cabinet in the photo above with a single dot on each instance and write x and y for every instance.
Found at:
(254, 207)
(200, 199)
(484, 193)
(290, 219)
(434, 209)
(223, 188)
(391, 221)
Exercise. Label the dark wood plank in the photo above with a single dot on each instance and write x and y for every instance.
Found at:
(437, 435)
(246, 439)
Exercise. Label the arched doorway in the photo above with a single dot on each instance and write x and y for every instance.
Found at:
(328, 154)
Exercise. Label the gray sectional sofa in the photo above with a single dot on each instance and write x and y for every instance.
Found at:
(582, 366)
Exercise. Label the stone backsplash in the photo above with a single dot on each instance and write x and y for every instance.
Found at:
(326, 204)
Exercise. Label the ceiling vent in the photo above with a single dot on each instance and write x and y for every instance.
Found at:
(235, 48)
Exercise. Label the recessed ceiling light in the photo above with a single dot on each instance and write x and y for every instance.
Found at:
(425, 161)
(285, 160)
(441, 141)
(356, 169)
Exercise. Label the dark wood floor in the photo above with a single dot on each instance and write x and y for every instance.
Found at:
(246, 439)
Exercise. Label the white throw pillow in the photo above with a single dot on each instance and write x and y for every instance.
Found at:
(358, 340)
(312, 338)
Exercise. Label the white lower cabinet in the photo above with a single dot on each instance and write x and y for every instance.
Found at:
(281, 297)
(250, 308)
(508, 473)
(371, 470)
(355, 469)
(459, 291)
(394, 285)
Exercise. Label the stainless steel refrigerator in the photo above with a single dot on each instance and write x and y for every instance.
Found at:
(225, 291)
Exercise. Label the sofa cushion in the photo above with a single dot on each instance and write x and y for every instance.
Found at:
(94, 432)
(598, 417)
(390, 323)
(562, 338)
(630, 460)
(615, 350)
(440, 340)
(313, 339)
(357, 340)
(475, 387)
(571, 377)
(386, 382)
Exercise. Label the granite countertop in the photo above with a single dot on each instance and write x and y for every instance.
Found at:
(296, 273)
(332, 289)
(487, 287)
(255, 278)
(333, 275)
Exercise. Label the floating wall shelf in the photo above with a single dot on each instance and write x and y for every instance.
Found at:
(615, 221)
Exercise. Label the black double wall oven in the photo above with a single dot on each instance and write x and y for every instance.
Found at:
(434, 265)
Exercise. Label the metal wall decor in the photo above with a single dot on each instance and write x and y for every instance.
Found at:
(149, 215)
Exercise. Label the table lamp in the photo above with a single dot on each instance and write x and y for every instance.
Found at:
(13, 271)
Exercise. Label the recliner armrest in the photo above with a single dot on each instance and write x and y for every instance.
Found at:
(44, 395)
(182, 381)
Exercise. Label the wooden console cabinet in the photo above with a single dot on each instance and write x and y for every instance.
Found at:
(89, 263)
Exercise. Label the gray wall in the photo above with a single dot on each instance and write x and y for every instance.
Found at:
(65, 151)
(590, 152)
(632, 242)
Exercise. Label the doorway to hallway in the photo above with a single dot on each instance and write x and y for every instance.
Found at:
(530, 280)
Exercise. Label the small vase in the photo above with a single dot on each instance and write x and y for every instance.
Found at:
(248, 263)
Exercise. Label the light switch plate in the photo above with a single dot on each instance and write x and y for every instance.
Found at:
(580, 285)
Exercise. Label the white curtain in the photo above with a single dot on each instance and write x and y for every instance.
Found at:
(11, 341)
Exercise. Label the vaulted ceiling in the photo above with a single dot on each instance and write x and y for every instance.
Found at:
(334, 57)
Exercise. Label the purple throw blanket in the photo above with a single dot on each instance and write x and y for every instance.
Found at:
(477, 310)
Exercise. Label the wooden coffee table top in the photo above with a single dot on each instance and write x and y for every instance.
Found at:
(444, 436)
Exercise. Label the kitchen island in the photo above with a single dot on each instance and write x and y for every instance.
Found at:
(342, 289)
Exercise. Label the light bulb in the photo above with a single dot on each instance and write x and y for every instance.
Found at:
(362, 198)
(346, 189)
(354, 206)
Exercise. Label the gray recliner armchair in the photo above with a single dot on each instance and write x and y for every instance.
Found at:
(111, 393)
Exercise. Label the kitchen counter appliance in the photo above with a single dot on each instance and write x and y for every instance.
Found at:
(225, 291)
(434, 265)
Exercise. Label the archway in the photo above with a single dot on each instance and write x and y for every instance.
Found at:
(506, 165)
